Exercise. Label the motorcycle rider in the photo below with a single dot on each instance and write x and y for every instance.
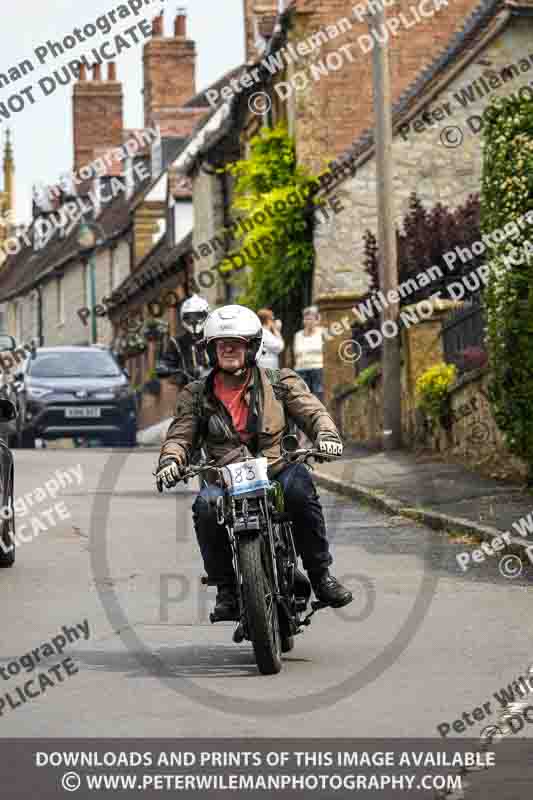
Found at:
(240, 410)
(184, 353)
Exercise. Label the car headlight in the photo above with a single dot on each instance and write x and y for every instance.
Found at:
(38, 391)
(115, 394)
(123, 391)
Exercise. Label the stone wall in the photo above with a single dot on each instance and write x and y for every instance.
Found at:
(336, 319)
(473, 437)
(422, 164)
(155, 408)
(360, 415)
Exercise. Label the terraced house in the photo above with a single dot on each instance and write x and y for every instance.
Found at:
(133, 224)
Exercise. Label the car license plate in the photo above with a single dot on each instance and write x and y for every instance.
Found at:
(247, 476)
(83, 413)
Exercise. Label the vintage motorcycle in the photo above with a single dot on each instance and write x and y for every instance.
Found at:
(273, 594)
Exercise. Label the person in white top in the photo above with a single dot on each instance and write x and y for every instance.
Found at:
(273, 343)
(309, 352)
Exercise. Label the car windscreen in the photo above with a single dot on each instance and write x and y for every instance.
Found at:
(90, 364)
(6, 342)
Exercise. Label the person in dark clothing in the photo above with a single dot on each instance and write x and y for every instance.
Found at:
(183, 355)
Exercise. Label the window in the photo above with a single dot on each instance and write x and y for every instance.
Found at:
(60, 301)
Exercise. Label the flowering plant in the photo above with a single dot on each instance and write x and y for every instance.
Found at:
(131, 345)
(433, 388)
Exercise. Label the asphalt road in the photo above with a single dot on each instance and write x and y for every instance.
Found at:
(421, 644)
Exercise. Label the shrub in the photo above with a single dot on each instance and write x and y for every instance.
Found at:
(433, 388)
(507, 196)
(472, 358)
(368, 376)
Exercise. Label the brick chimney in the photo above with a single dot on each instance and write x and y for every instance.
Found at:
(97, 114)
(169, 73)
(259, 19)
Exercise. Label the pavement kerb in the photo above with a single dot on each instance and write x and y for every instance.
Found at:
(433, 519)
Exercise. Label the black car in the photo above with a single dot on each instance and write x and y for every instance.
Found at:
(8, 413)
(75, 392)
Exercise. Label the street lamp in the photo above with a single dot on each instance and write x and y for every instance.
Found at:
(88, 241)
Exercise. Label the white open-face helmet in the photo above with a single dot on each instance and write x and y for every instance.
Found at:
(194, 313)
(234, 322)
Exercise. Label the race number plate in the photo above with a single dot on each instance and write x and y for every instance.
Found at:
(247, 476)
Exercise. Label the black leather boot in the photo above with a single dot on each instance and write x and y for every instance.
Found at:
(328, 590)
(226, 605)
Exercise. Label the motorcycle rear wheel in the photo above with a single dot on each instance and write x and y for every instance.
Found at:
(261, 609)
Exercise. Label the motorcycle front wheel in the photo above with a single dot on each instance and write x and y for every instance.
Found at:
(260, 606)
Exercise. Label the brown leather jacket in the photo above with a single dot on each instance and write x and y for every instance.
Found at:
(274, 397)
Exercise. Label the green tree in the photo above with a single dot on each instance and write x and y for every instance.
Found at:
(278, 253)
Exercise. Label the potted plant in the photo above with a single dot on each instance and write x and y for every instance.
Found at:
(433, 392)
(154, 329)
(135, 344)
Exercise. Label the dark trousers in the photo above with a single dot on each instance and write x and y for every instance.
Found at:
(301, 502)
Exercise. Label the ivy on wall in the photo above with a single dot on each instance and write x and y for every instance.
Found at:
(278, 252)
(507, 196)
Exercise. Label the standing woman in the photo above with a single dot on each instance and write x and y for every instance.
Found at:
(309, 352)
(273, 343)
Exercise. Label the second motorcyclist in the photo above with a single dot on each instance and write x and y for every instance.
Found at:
(184, 356)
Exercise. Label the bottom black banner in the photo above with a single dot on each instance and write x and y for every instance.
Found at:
(268, 768)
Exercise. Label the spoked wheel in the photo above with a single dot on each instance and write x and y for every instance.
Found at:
(261, 609)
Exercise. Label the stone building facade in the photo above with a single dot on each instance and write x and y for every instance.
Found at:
(335, 104)
(442, 162)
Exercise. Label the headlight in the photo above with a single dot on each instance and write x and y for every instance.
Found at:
(115, 394)
(38, 391)
(103, 396)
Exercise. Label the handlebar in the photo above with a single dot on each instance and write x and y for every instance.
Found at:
(299, 456)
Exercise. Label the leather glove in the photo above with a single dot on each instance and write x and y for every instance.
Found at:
(168, 474)
(329, 444)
